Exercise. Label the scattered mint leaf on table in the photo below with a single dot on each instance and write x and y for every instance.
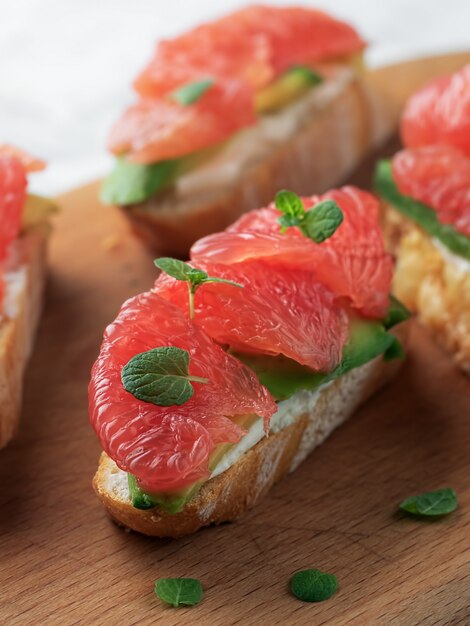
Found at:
(190, 93)
(318, 223)
(312, 585)
(431, 503)
(191, 275)
(160, 376)
(179, 591)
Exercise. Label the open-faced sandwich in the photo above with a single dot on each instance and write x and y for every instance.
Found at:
(222, 378)
(426, 193)
(232, 111)
(23, 234)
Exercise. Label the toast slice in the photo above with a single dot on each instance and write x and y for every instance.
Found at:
(228, 495)
(432, 282)
(24, 284)
(309, 146)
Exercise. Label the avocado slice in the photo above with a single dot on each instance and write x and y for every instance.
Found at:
(173, 503)
(421, 214)
(170, 503)
(284, 377)
(130, 183)
(291, 85)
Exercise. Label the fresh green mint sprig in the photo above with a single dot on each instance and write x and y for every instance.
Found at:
(318, 223)
(191, 275)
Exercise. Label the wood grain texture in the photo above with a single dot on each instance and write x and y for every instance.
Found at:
(63, 562)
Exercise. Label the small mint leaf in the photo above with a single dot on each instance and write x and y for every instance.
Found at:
(160, 376)
(179, 591)
(286, 221)
(431, 503)
(322, 220)
(312, 585)
(214, 279)
(196, 276)
(289, 203)
(190, 93)
(178, 269)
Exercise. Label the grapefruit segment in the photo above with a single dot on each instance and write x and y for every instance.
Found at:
(352, 263)
(439, 113)
(12, 197)
(253, 45)
(168, 448)
(278, 311)
(159, 129)
(439, 177)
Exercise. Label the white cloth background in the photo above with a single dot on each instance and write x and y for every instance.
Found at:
(66, 65)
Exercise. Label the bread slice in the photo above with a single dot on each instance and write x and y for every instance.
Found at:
(231, 493)
(308, 147)
(432, 282)
(24, 283)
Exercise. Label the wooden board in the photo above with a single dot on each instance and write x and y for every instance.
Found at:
(62, 561)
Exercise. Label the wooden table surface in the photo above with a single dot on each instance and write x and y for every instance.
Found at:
(63, 562)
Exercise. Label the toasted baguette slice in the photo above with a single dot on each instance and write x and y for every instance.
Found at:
(230, 494)
(432, 282)
(24, 284)
(307, 147)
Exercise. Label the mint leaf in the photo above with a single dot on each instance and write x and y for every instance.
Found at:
(321, 221)
(179, 591)
(160, 376)
(312, 585)
(179, 269)
(318, 224)
(130, 183)
(431, 503)
(421, 214)
(290, 204)
(193, 276)
(190, 93)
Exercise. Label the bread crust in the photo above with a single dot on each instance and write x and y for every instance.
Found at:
(230, 494)
(24, 289)
(318, 157)
(430, 284)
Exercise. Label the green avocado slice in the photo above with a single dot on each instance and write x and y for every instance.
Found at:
(420, 213)
(130, 183)
(284, 377)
